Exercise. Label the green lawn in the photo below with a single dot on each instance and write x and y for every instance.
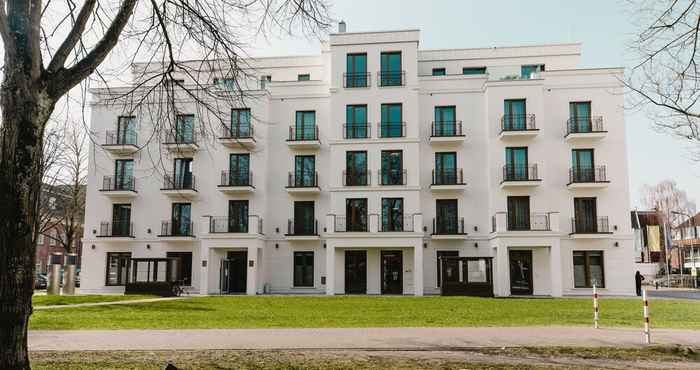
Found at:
(362, 311)
(60, 300)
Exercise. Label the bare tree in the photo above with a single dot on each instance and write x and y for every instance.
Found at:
(51, 50)
(666, 197)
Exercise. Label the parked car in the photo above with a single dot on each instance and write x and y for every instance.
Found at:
(41, 281)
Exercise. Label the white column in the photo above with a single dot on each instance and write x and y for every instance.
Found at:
(204, 264)
(330, 269)
(501, 277)
(555, 269)
(418, 270)
(252, 279)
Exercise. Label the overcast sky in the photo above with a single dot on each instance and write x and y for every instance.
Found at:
(603, 26)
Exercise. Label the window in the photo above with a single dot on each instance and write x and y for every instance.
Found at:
(582, 165)
(304, 269)
(124, 174)
(516, 164)
(392, 167)
(392, 120)
(390, 73)
(531, 71)
(117, 268)
(305, 171)
(474, 70)
(477, 271)
(238, 216)
(452, 271)
(126, 130)
(264, 80)
(356, 122)
(52, 203)
(183, 266)
(356, 70)
(585, 215)
(588, 269)
(305, 125)
(182, 174)
(184, 129)
(53, 239)
(304, 220)
(121, 220)
(239, 169)
(445, 121)
(514, 115)
(445, 168)
(392, 214)
(580, 117)
(181, 219)
(240, 123)
(439, 71)
(227, 83)
(40, 239)
(518, 213)
(446, 212)
(356, 168)
(356, 214)
(304, 77)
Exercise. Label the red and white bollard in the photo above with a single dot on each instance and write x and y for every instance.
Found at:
(647, 334)
(595, 307)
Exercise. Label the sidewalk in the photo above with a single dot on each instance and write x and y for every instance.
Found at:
(361, 338)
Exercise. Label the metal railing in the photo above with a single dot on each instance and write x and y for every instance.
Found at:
(589, 225)
(520, 173)
(446, 129)
(587, 174)
(535, 221)
(453, 176)
(341, 224)
(306, 133)
(357, 130)
(121, 138)
(392, 176)
(357, 178)
(403, 223)
(302, 228)
(189, 137)
(118, 183)
(448, 226)
(227, 224)
(239, 178)
(239, 131)
(180, 182)
(583, 125)
(391, 129)
(116, 228)
(352, 80)
(518, 122)
(176, 228)
(305, 179)
(391, 78)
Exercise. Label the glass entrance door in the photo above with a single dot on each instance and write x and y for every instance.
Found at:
(520, 272)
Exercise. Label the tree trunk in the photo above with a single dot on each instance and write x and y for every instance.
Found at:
(25, 110)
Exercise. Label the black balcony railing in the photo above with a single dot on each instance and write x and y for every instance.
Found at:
(179, 182)
(357, 178)
(392, 176)
(391, 129)
(306, 133)
(240, 131)
(391, 78)
(448, 226)
(590, 225)
(343, 224)
(520, 173)
(181, 138)
(116, 229)
(584, 125)
(176, 228)
(121, 138)
(402, 223)
(587, 174)
(452, 176)
(302, 228)
(537, 221)
(118, 183)
(239, 178)
(446, 129)
(357, 131)
(305, 179)
(219, 225)
(518, 122)
(351, 80)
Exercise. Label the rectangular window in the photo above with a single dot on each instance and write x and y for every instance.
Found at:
(445, 121)
(356, 70)
(225, 83)
(240, 123)
(356, 122)
(452, 271)
(585, 215)
(439, 72)
(516, 164)
(474, 70)
(183, 266)
(582, 165)
(518, 213)
(238, 216)
(392, 167)
(356, 214)
(123, 174)
(304, 220)
(184, 129)
(531, 71)
(305, 125)
(126, 130)
(264, 80)
(588, 269)
(182, 174)
(390, 73)
(239, 169)
(392, 120)
(304, 77)
(117, 268)
(356, 168)
(514, 115)
(305, 171)
(477, 271)
(445, 168)
(446, 216)
(121, 220)
(40, 239)
(580, 117)
(53, 240)
(181, 219)
(392, 214)
(304, 269)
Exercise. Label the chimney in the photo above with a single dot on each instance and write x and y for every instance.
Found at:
(342, 27)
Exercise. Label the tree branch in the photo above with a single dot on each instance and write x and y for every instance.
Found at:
(73, 36)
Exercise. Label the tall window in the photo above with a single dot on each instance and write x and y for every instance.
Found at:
(183, 270)
(518, 213)
(240, 123)
(580, 117)
(126, 130)
(356, 122)
(238, 216)
(390, 73)
(582, 165)
(392, 120)
(304, 269)
(181, 219)
(445, 121)
(392, 214)
(452, 272)
(356, 70)
(305, 125)
(305, 171)
(585, 215)
(304, 220)
(123, 174)
(514, 115)
(445, 168)
(184, 128)
(239, 169)
(356, 168)
(588, 269)
(121, 219)
(117, 268)
(182, 174)
(446, 215)
(392, 167)
(356, 214)
(516, 164)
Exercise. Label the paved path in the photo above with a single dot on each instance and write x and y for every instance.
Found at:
(674, 293)
(365, 338)
(145, 300)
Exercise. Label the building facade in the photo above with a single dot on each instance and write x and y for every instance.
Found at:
(374, 168)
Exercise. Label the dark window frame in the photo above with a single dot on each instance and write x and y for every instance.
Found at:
(587, 267)
(441, 71)
(303, 280)
(120, 256)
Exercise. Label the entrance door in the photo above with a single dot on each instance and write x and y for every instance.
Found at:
(183, 269)
(355, 272)
(392, 272)
(234, 272)
(520, 272)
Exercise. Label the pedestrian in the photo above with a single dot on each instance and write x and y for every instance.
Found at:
(638, 278)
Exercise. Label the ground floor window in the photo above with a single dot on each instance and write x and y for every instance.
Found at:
(183, 267)
(117, 266)
(303, 269)
(588, 269)
(450, 274)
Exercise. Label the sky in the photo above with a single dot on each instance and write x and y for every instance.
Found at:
(603, 26)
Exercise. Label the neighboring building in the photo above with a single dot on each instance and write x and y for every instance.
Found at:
(686, 243)
(649, 242)
(367, 163)
(52, 215)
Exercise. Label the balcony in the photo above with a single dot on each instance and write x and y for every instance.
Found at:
(518, 125)
(121, 143)
(302, 230)
(587, 177)
(236, 182)
(341, 224)
(534, 221)
(448, 180)
(174, 230)
(397, 224)
(520, 176)
(446, 132)
(388, 177)
(181, 142)
(391, 78)
(305, 138)
(355, 80)
(119, 187)
(448, 228)
(179, 186)
(590, 227)
(116, 230)
(238, 136)
(582, 129)
(391, 130)
(303, 183)
(353, 131)
(357, 178)
(253, 225)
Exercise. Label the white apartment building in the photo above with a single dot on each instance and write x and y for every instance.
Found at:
(373, 168)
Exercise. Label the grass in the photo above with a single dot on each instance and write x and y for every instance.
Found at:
(362, 311)
(61, 300)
